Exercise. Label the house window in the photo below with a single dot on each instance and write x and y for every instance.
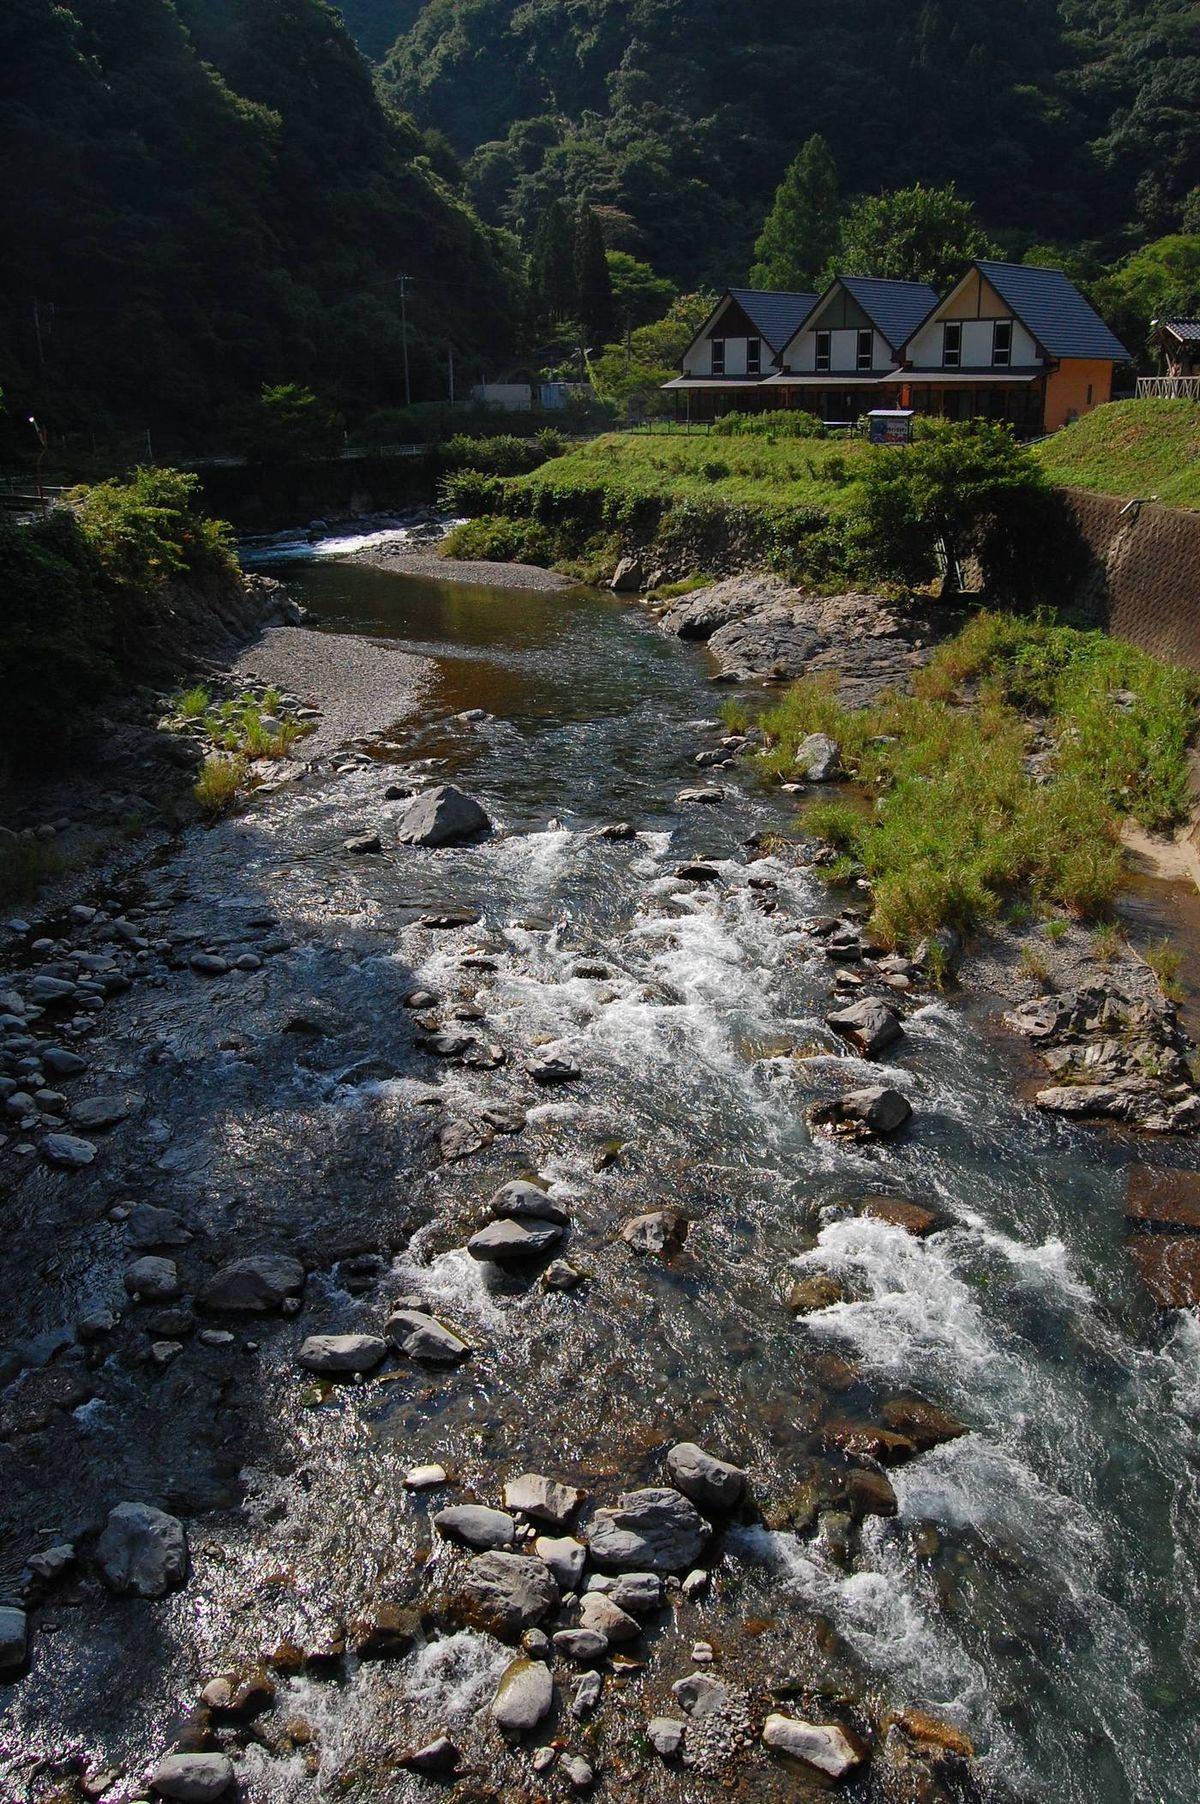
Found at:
(952, 344)
(718, 356)
(866, 350)
(754, 357)
(824, 348)
(1002, 343)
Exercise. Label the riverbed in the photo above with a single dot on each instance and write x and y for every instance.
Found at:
(1036, 1588)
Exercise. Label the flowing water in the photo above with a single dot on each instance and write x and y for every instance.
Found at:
(1038, 1587)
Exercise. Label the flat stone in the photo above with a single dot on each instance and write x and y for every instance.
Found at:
(68, 1151)
(98, 1113)
(821, 1745)
(703, 794)
(423, 1337)
(424, 1478)
(639, 1592)
(361, 844)
(542, 1499)
(599, 1614)
(14, 1638)
(153, 1279)
(655, 1530)
(256, 1285)
(336, 1355)
(553, 1069)
(504, 1240)
(463, 1139)
(665, 1734)
(192, 1778)
(441, 816)
(564, 1556)
(912, 1217)
(524, 1695)
(711, 1482)
(508, 1592)
(523, 1201)
(149, 1226)
(142, 1551)
(870, 1025)
(700, 1694)
(660, 1233)
(477, 1525)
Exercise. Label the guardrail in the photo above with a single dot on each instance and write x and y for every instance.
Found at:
(1168, 388)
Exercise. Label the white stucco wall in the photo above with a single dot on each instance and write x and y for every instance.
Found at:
(698, 359)
(925, 351)
(801, 355)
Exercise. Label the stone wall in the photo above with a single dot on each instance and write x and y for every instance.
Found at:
(1143, 578)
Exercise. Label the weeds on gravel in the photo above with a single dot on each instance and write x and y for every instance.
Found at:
(1165, 962)
(217, 786)
(193, 704)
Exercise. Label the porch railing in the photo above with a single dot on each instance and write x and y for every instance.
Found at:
(1168, 388)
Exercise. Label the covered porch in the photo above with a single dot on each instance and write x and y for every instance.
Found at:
(1017, 396)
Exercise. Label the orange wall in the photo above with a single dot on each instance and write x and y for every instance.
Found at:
(1067, 389)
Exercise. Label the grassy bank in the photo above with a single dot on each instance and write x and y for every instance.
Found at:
(1131, 448)
(1003, 779)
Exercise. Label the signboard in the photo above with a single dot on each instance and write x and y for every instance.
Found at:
(890, 426)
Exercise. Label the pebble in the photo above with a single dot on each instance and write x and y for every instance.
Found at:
(587, 1693)
(579, 1773)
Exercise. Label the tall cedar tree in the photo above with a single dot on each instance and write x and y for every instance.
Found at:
(552, 264)
(593, 283)
(800, 232)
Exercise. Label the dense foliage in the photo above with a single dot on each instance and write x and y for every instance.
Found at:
(206, 196)
(1063, 121)
(83, 590)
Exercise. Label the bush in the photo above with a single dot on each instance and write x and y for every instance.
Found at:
(494, 539)
(776, 424)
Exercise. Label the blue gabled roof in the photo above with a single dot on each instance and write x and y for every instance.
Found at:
(777, 312)
(1050, 305)
(895, 308)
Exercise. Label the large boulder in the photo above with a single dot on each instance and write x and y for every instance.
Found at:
(503, 1240)
(711, 1482)
(523, 1696)
(142, 1552)
(508, 1592)
(342, 1355)
(477, 1525)
(192, 1778)
(441, 816)
(520, 1200)
(822, 1745)
(542, 1499)
(423, 1337)
(648, 1531)
(658, 1234)
(870, 1025)
(818, 758)
(628, 577)
(256, 1285)
(861, 1114)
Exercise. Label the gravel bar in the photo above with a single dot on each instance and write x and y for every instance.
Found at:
(407, 562)
(360, 685)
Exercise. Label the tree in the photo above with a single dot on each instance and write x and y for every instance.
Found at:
(913, 235)
(1161, 281)
(800, 232)
(552, 264)
(290, 424)
(593, 284)
(639, 296)
(637, 371)
(966, 489)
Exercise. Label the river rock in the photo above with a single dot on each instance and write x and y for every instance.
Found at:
(599, 1614)
(555, 1068)
(14, 1639)
(68, 1151)
(505, 1117)
(142, 1552)
(822, 1745)
(423, 1337)
(700, 1694)
(711, 1482)
(522, 1200)
(639, 1592)
(441, 816)
(564, 1556)
(523, 1696)
(655, 1530)
(542, 1499)
(477, 1525)
(438, 1758)
(818, 758)
(658, 1234)
(192, 1778)
(208, 964)
(152, 1279)
(98, 1113)
(582, 1647)
(505, 1240)
(62, 1061)
(665, 1735)
(362, 844)
(706, 793)
(870, 1024)
(508, 1592)
(914, 1218)
(580, 1773)
(149, 1226)
(425, 1478)
(861, 1114)
(587, 1693)
(256, 1285)
(335, 1355)
(628, 577)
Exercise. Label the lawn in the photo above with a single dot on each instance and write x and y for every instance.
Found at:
(1144, 449)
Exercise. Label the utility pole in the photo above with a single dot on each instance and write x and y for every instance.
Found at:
(450, 348)
(404, 281)
(37, 332)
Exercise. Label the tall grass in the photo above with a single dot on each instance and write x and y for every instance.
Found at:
(948, 822)
(217, 786)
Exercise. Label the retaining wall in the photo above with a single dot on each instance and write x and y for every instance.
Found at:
(1143, 576)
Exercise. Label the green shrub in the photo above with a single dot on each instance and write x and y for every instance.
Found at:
(779, 423)
(217, 786)
(494, 539)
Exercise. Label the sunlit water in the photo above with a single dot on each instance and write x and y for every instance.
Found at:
(1053, 1614)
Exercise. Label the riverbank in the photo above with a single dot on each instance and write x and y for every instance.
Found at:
(400, 558)
(357, 687)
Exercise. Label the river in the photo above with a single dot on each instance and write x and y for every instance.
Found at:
(1037, 1587)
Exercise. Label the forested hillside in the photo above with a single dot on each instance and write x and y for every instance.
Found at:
(1072, 122)
(204, 197)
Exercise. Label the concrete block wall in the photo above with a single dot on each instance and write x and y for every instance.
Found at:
(1143, 579)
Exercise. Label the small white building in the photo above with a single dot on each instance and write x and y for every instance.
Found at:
(510, 397)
